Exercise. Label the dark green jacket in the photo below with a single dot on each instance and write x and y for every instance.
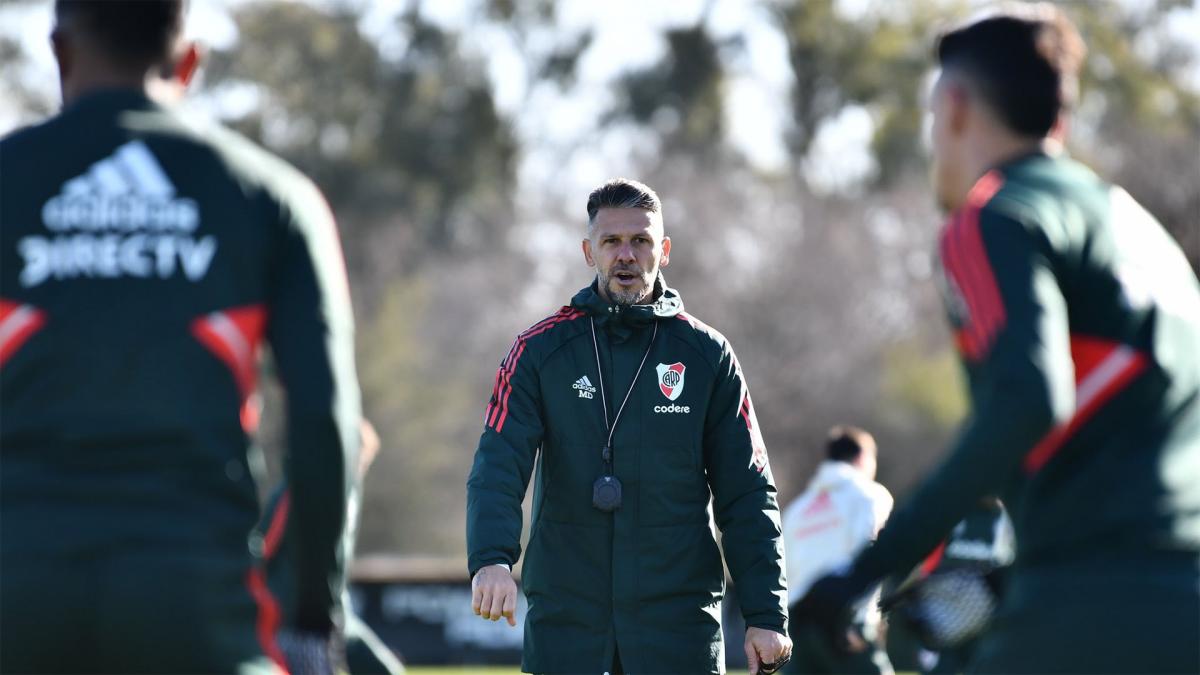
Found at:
(144, 258)
(648, 577)
(1078, 322)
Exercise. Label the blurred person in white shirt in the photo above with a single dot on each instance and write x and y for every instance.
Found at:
(841, 511)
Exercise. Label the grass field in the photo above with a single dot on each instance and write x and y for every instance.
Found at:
(483, 670)
(465, 670)
(502, 670)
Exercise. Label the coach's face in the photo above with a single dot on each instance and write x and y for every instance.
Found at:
(627, 247)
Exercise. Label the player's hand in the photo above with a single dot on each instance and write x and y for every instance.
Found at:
(828, 604)
(766, 650)
(494, 594)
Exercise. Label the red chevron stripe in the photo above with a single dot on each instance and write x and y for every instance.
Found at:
(18, 323)
(1102, 369)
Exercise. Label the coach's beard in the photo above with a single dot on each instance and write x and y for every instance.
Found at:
(625, 294)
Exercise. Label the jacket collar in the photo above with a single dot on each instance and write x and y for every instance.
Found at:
(112, 99)
(621, 320)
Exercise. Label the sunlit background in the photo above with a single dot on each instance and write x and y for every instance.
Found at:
(457, 140)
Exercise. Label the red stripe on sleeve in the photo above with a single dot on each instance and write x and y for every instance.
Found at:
(18, 323)
(497, 411)
(969, 337)
(984, 278)
(274, 536)
(268, 621)
(965, 255)
(930, 563)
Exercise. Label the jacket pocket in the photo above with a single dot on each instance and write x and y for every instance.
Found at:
(680, 585)
(569, 569)
(673, 489)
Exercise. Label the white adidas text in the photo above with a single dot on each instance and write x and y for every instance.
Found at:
(121, 218)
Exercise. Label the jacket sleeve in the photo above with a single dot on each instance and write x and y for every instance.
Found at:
(311, 332)
(1012, 332)
(744, 500)
(503, 463)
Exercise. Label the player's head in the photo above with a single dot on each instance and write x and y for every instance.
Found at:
(853, 446)
(625, 240)
(1008, 77)
(121, 44)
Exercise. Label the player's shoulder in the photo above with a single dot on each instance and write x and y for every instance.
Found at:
(256, 167)
(1042, 194)
(705, 339)
(553, 331)
(27, 139)
(880, 494)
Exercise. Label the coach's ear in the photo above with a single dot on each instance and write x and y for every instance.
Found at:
(587, 252)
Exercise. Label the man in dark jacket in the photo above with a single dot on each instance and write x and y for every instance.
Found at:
(637, 417)
(1077, 319)
(145, 257)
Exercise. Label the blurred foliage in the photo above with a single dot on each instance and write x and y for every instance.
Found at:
(923, 387)
(826, 295)
(422, 403)
(418, 135)
(681, 97)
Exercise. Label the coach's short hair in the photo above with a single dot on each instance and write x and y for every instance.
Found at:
(846, 443)
(135, 33)
(622, 193)
(1023, 60)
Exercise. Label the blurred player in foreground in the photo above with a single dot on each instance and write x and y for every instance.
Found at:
(143, 259)
(1078, 322)
(839, 513)
(981, 545)
(366, 654)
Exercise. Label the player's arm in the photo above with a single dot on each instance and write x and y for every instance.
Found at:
(1017, 336)
(311, 332)
(496, 486)
(744, 500)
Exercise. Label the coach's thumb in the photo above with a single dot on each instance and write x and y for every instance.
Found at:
(751, 658)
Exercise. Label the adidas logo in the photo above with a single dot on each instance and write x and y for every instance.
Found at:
(120, 218)
(127, 191)
(584, 386)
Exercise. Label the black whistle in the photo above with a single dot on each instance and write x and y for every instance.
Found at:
(606, 493)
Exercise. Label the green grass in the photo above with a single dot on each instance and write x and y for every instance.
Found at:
(484, 670)
(463, 670)
(501, 670)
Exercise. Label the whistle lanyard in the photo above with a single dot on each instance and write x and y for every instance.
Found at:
(606, 453)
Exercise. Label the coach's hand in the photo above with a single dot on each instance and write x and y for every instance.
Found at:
(766, 650)
(494, 594)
